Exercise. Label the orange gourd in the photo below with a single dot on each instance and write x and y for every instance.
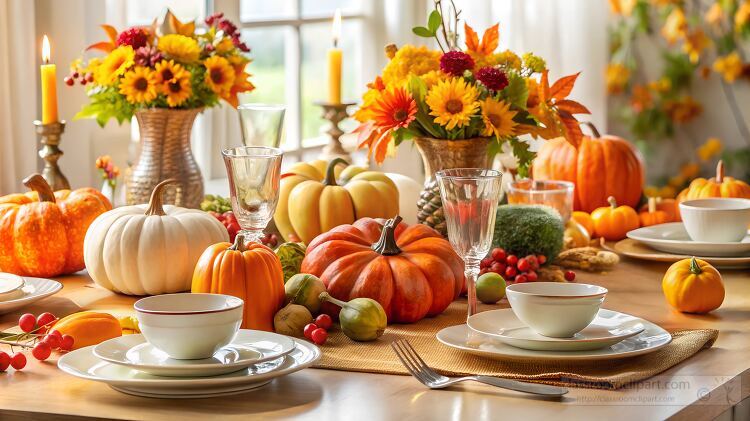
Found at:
(668, 206)
(693, 286)
(653, 216)
(251, 272)
(613, 222)
(584, 218)
(719, 186)
(89, 328)
(42, 232)
(412, 271)
(600, 167)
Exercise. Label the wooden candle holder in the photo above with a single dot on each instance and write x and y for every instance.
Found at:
(335, 113)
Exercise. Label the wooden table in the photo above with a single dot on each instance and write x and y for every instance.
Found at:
(720, 375)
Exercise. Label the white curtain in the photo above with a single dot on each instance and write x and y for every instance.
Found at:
(18, 99)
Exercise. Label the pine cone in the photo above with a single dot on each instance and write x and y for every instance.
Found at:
(430, 208)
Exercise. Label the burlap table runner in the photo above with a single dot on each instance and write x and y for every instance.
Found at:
(341, 353)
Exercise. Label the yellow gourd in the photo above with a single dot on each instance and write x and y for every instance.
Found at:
(693, 286)
(89, 328)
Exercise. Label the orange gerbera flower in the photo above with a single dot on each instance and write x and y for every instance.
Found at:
(393, 109)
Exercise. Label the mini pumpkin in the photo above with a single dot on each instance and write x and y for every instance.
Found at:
(668, 206)
(653, 216)
(693, 286)
(613, 222)
(719, 186)
(584, 218)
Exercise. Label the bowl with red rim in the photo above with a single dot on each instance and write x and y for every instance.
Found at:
(189, 326)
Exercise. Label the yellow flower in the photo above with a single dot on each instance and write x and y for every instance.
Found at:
(622, 7)
(167, 71)
(662, 85)
(410, 60)
(715, 14)
(695, 43)
(675, 26)
(534, 62)
(224, 46)
(497, 118)
(179, 47)
(139, 85)
(432, 77)
(689, 171)
(710, 149)
(114, 65)
(219, 74)
(729, 66)
(742, 16)
(683, 109)
(507, 59)
(617, 77)
(177, 90)
(452, 102)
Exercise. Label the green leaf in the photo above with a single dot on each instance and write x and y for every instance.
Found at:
(517, 93)
(417, 88)
(523, 155)
(422, 32)
(434, 21)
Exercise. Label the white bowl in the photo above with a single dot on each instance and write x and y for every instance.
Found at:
(555, 309)
(189, 326)
(717, 220)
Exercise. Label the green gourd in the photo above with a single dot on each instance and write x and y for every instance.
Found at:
(304, 289)
(361, 319)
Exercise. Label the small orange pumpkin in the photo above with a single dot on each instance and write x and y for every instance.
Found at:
(669, 206)
(693, 286)
(584, 218)
(613, 222)
(251, 272)
(653, 216)
(720, 186)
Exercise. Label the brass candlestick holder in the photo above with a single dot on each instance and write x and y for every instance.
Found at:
(335, 113)
(50, 135)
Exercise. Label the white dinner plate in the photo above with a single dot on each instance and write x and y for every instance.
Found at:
(84, 364)
(34, 289)
(638, 250)
(216, 392)
(608, 328)
(462, 337)
(249, 347)
(673, 238)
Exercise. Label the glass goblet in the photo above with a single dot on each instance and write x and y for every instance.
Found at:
(470, 197)
(254, 173)
(261, 124)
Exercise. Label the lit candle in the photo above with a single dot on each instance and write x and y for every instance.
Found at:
(334, 62)
(49, 86)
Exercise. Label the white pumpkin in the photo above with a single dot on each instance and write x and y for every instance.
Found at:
(149, 249)
(408, 194)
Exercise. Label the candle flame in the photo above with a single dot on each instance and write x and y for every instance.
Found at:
(45, 49)
(336, 27)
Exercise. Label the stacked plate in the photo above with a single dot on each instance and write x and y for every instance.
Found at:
(17, 292)
(131, 365)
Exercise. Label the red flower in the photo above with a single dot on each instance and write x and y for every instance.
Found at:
(134, 37)
(456, 62)
(394, 109)
(494, 79)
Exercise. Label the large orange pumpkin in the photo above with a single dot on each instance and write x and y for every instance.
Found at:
(251, 272)
(410, 270)
(42, 232)
(600, 167)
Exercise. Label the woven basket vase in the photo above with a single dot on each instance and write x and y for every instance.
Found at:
(165, 153)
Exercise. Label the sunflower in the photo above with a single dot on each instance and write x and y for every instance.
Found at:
(114, 65)
(452, 102)
(179, 47)
(177, 90)
(219, 74)
(167, 71)
(497, 118)
(139, 85)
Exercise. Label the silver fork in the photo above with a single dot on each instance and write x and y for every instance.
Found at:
(430, 378)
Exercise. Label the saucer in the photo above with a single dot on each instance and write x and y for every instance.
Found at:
(84, 364)
(33, 289)
(608, 328)
(249, 347)
(673, 238)
(638, 250)
(11, 286)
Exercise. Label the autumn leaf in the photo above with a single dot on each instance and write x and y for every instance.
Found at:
(106, 46)
(472, 39)
(572, 107)
(563, 86)
(543, 88)
(490, 39)
(111, 32)
(186, 29)
(571, 128)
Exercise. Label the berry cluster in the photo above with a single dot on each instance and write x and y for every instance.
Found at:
(82, 78)
(511, 267)
(317, 331)
(223, 24)
(233, 227)
(37, 336)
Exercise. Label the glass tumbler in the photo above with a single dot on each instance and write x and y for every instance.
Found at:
(470, 197)
(261, 124)
(254, 173)
(552, 193)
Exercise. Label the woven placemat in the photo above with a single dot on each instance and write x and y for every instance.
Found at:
(341, 353)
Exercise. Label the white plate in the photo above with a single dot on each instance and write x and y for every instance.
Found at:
(249, 347)
(84, 364)
(34, 289)
(465, 339)
(216, 392)
(608, 328)
(638, 250)
(673, 238)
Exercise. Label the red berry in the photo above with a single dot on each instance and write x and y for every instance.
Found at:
(482, 271)
(66, 342)
(533, 262)
(52, 340)
(45, 320)
(510, 271)
(89, 77)
(309, 329)
(532, 276)
(55, 332)
(324, 321)
(27, 322)
(497, 267)
(523, 265)
(521, 279)
(4, 361)
(83, 81)
(511, 260)
(498, 254)
(486, 262)
(74, 75)
(18, 361)
(570, 276)
(542, 259)
(319, 336)
(41, 351)
(69, 81)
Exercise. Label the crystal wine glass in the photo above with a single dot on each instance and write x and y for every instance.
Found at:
(470, 197)
(254, 173)
(261, 124)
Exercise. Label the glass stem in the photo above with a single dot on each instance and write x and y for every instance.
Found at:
(252, 236)
(471, 272)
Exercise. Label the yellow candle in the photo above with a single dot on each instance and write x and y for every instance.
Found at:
(334, 62)
(49, 86)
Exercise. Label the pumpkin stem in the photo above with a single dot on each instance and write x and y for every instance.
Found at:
(155, 202)
(695, 269)
(239, 243)
(720, 171)
(593, 128)
(386, 245)
(612, 202)
(651, 204)
(330, 179)
(38, 184)
(324, 296)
